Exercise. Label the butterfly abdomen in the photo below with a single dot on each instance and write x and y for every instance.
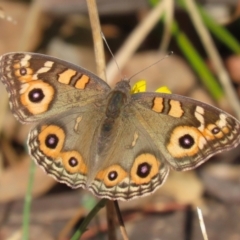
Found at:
(115, 103)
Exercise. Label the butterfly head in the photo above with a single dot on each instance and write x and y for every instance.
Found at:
(123, 86)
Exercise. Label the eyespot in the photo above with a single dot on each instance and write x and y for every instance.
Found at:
(23, 71)
(112, 175)
(185, 141)
(144, 168)
(212, 131)
(215, 130)
(37, 96)
(51, 139)
(73, 162)
(23, 74)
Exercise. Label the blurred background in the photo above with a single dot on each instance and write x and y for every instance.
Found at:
(205, 70)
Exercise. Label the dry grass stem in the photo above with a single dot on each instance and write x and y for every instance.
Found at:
(29, 32)
(100, 65)
(202, 225)
(134, 40)
(121, 222)
(169, 9)
(97, 39)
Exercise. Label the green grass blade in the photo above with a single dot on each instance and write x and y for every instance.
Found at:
(27, 202)
(89, 217)
(221, 33)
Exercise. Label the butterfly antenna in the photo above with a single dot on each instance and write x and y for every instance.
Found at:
(109, 49)
(144, 69)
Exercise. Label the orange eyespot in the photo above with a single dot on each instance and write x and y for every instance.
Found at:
(51, 140)
(144, 168)
(112, 175)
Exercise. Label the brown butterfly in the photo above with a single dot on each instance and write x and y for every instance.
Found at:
(116, 144)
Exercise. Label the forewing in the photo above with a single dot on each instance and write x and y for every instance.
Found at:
(42, 86)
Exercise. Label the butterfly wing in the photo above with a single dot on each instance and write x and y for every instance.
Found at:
(132, 157)
(62, 145)
(67, 148)
(41, 86)
(130, 165)
(186, 131)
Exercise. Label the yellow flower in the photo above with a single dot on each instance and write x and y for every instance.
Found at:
(141, 86)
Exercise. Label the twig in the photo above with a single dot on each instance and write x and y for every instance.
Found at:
(111, 220)
(97, 39)
(120, 219)
(100, 65)
(214, 56)
(32, 21)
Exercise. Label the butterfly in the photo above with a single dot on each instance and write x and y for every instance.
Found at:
(116, 144)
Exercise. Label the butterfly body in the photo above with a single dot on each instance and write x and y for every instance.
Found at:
(116, 144)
